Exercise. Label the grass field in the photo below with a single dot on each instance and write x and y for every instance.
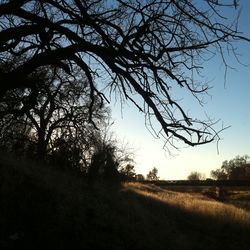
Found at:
(197, 200)
(239, 196)
(44, 208)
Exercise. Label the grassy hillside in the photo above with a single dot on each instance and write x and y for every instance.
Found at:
(44, 208)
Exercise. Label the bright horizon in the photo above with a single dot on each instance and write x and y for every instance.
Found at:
(230, 103)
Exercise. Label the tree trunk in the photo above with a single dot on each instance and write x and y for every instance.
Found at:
(41, 145)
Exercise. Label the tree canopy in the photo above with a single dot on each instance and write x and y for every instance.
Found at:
(236, 169)
(142, 50)
(195, 176)
(56, 126)
(153, 175)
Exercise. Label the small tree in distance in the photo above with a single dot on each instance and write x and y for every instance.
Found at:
(196, 176)
(152, 175)
(128, 171)
(139, 177)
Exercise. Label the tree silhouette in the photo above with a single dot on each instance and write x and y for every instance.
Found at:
(128, 171)
(16, 137)
(235, 169)
(152, 175)
(195, 176)
(218, 174)
(104, 165)
(58, 121)
(144, 51)
(139, 177)
(109, 158)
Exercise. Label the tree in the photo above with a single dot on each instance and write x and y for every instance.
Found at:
(152, 175)
(195, 176)
(128, 171)
(235, 169)
(109, 157)
(219, 174)
(139, 177)
(143, 51)
(58, 120)
(16, 137)
(104, 165)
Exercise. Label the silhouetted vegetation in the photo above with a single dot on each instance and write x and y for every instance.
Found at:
(104, 165)
(235, 169)
(139, 177)
(152, 175)
(132, 48)
(58, 158)
(128, 172)
(56, 130)
(195, 176)
(57, 125)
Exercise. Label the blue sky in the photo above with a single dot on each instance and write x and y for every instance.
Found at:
(230, 103)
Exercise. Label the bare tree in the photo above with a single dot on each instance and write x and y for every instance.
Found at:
(59, 116)
(148, 49)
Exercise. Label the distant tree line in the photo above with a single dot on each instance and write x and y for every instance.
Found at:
(236, 169)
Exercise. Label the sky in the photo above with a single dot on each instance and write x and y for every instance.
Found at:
(229, 102)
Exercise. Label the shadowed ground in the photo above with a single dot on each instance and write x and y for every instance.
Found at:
(42, 208)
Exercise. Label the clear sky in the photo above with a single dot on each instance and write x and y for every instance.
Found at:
(230, 103)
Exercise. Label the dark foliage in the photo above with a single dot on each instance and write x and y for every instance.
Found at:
(104, 165)
(152, 175)
(235, 169)
(128, 172)
(195, 176)
(56, 129)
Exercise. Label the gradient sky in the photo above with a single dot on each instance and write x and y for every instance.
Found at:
(230, 103)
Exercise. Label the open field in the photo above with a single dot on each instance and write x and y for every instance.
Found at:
(238, 196)
(44, 208)
(198, 200)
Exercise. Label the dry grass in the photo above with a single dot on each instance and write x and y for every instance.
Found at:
(239, 197)
(195, 203)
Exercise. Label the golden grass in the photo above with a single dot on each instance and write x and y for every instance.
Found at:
(195, 203)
